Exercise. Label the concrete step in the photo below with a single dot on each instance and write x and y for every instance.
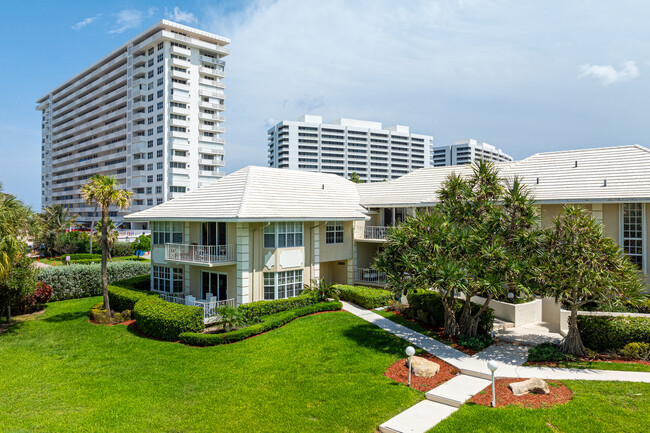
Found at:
(457, 390)
(418, 419)
(500, 324)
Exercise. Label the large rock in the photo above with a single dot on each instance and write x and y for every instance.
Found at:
(530, 386)
(422, 367)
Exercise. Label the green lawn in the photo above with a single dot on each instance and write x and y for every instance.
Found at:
(320, 373)
(612, 407)
(604, 365)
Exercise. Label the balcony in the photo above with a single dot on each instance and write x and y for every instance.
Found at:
(210, 306)
(369, 276)
(207, 255)
(372, 233)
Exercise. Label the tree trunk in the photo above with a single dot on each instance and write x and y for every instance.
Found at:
(572, 343)
(104, 256)
(8, 313)
(470, 328)
(451, 325)
(92, 230)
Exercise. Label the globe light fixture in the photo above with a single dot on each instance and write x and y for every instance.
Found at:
(410, 351)
(492, 366)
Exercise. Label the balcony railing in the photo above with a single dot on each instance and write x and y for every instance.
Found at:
(202, 254)
(375, 232)
(210, 306)
(369, 276)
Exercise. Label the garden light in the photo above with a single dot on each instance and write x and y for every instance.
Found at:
(492, 366)
(410, 351)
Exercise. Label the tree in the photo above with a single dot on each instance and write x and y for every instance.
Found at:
(113, 235)
(141, 244)
(19, 282)
(354, 177)
(55, 220)
(580, 264)
(104, 190)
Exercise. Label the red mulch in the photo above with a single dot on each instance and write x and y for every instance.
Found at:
(559, 394)
(399, 372)
(127, 322)
(439, 334)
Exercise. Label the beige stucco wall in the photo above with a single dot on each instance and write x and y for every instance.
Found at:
(366, 252)
(333, 252)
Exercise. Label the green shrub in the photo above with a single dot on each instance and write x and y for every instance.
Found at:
(255, 310)
(124, 294)
(366, 297)
(230, 317)
(115, 259)
(80, 281)
(546, 352)
(477, 343)
(84, 256)
(166, 320)
(267, 323)
(636, 351)
(603, 333)
(98, 315)
(121, 249)
(321, 290)
(426, 306)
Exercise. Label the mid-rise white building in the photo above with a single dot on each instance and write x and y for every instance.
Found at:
(466, 152)
(346, 146)
(149, 113)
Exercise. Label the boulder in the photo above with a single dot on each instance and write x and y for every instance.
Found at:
(422, 367)
(533, 385)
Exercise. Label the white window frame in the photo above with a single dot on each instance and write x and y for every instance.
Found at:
(166, 279)
(285, 234)
(623, 238)
(335, 232)
(165, 232)
(282, 285)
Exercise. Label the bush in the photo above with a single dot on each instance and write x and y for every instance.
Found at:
(98, 315)
(366, 297)
(477, 343)
(34, 301)
(603, 333)
(99, 260)
(166, 320)
(121, 249)
(84, 256)
(426, 306)
(546, 352)
(267, 323)
(255, 310)
(124, 294)
(321, 290)
(230, 317)
(80, 281)
(636, 351)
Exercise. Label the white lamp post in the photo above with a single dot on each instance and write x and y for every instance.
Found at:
(492, 366)
(410, 351)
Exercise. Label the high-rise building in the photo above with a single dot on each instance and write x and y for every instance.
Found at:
(466, 152)
(149, 113)
(346, 146)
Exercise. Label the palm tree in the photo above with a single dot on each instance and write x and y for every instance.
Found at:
(56, 219)
(104, 190)
(112, 235)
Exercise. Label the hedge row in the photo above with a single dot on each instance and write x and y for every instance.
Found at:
(70, 282)
(254, 311)
(115, 259)
(166, 320)
(366, 297)
(82, 256)
(427, 306)
(267, 323)
(124, 294)
(602, 333)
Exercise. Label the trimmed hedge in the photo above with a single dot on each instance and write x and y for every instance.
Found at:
(166, 320)
(82, 256)
(115, 259)
(427, 307)
(602, 333)
(366, 297)
(81, 281)
(254, 311)
(268, 323)
(124, 294)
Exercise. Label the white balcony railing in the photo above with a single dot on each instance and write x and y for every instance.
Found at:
(369, 276)
(375, 232)
(210, 306)
(202, 254)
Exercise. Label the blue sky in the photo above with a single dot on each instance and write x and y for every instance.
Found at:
(525, 76)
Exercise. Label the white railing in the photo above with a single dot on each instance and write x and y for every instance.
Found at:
(174, 299)
(200, 253)
(374, 232)
(127, 234)
(369, 276)
(210, 306)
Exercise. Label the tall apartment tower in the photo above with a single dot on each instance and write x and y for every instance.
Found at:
(149, 113)
(346, 146)
(466, 152)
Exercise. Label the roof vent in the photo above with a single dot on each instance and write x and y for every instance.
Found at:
(323, 186)
(605, 182)
(575, 166)
(537, 181)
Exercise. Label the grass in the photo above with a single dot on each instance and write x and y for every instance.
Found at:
(320, 373)
(60, 261)
(613, 407)
(603, 365)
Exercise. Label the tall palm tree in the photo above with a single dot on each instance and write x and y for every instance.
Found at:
(54, 220)
(104, 190)
(112, 235)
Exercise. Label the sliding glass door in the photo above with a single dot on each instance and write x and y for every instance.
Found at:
(215, 283)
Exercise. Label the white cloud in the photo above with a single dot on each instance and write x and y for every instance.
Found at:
(181, 16)
(130, 19)
(83, 23)
(608, 75)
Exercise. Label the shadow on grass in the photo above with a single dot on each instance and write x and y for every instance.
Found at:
(373, 337)
(66, 317)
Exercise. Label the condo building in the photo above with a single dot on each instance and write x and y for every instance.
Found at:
(466, 152)
(347, 146)
(150, 113)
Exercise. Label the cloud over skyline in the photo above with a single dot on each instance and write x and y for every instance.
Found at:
(180, 16)
(87, 21)
(607, 75)
(127, 19)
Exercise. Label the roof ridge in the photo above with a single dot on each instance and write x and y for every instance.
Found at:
(244, 194)
(589, 149)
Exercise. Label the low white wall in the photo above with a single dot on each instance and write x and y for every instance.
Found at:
(519, 314)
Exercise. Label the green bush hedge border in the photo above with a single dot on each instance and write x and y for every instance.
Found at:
(124, 294)
(165, 320)
(254, 311)
(366, 297)
(603, 333)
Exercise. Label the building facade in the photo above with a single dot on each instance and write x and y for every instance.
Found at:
(466, 152)
(347, 146)
(149, 113)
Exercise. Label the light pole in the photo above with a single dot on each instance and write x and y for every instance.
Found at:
(492, 366)
(410, 351)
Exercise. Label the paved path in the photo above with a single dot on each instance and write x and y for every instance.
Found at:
(445, 399)
(38, 264)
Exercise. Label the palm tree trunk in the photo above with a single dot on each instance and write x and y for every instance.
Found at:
(572, 343)
(104, 257)
(92, 230)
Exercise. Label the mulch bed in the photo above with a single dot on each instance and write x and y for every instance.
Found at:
(399, 372)
(559, 394)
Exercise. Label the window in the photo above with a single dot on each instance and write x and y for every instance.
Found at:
(159, 189)
(150, 143)
(283, 235)
(159, 117)
(159, 165)
(160, 46)
(159, 177)
(159, 58)
(159, 94)
(149, 155)
(159, 71)
(150, 121)
(149, 202)
(150, 73)
(281, 285)
(150, 109)
(158, 201)
(159, 130)
(159, 141)
(334, 232)
(177, 189)
(632, 231)
(159, 82)
(165, 232)
(159, 153)
(169, 280)
(159, 106)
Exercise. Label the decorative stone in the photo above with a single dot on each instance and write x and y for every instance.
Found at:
(422, 367)
(533, 385)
